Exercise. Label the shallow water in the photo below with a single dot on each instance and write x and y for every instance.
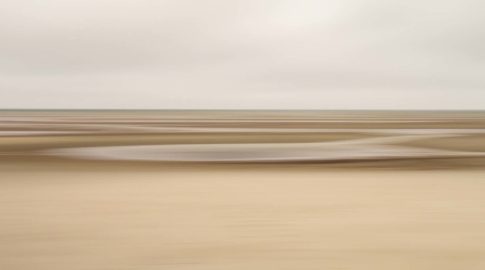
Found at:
(367, 149)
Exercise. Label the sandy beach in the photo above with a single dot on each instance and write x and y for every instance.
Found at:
(393, 209)
(240, 219)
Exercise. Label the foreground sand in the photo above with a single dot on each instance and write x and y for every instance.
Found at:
(230, 218)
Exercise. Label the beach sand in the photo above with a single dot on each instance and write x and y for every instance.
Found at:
(367, 209)
(242, 219)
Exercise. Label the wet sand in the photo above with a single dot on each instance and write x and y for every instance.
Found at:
(405, 210)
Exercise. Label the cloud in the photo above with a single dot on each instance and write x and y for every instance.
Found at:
(306, 54)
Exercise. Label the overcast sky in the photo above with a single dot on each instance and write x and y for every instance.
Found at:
(247, 54)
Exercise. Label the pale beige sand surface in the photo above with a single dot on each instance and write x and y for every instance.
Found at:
(234, 218)
(209, 190)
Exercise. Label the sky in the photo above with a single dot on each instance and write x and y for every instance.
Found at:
(242, 54)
